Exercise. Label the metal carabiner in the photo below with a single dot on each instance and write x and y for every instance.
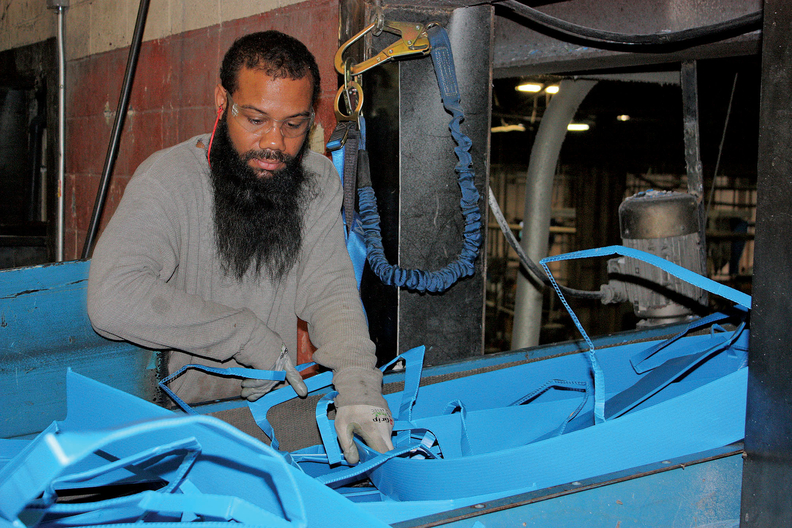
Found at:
(347, 90)
(343, 91)
(413, 41)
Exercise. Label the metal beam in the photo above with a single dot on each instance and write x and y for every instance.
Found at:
(522, 50)
(418, 182)
(767, 476)
(451, 324)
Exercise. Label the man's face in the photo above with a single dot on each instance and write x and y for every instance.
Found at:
(261, 97)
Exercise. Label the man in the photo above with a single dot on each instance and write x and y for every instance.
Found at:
(220, 243)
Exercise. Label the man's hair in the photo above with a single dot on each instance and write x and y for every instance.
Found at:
(275, 53)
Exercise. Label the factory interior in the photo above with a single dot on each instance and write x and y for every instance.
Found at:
(629, 167)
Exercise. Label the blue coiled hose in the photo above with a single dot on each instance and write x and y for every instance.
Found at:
(464, 265)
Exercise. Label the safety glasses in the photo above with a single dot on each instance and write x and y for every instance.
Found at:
(259, 124)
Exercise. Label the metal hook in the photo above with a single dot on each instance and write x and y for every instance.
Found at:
(413, 41)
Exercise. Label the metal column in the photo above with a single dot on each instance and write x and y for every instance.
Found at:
(767, 475)
(429, 220)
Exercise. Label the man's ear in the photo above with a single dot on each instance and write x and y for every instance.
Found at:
(220, 97)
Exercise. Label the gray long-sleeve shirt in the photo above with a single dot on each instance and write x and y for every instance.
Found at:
(156, 280)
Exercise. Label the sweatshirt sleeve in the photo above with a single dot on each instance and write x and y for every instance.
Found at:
(132, 295)
(328, 299)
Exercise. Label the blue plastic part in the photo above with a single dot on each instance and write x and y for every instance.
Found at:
(203, 470)
(232, 372)
(692, 400)
(44, 329)
(445, 432)
(703, 410)
(742, 300)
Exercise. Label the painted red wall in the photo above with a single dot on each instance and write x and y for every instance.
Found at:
(171, 101)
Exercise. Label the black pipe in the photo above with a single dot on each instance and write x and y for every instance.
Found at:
(37, 127)
(640, 43)
(118, 125)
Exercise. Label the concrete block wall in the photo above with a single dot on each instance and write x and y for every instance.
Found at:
(172, 96)
(95, 26)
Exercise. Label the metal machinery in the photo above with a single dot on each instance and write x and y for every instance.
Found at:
(516, 47)
(664, 224)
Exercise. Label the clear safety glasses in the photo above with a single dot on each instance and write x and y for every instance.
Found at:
(259, 124)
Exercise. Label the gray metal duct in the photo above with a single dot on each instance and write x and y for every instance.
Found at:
(536, 214)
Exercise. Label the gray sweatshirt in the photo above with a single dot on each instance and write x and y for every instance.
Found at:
(156, 280)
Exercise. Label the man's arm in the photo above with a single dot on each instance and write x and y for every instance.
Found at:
(328, 299)
(130, 296)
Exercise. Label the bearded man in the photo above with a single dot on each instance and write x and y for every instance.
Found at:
(220, 243)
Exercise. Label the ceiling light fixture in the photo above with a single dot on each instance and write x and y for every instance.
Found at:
(529, 87)
(552, 89)
(509, 128)
(623, 117)
(577, 127)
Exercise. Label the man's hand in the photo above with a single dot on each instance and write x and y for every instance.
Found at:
(373, 424)
(253, 389)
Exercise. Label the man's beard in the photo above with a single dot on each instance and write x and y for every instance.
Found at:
(258, 221)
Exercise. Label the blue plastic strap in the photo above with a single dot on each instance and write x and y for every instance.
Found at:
(578, 386)
(53, 455)
(189, 446)
(230, 509)
(327, 430)
(457, 407)
(676, 270)
(667, 373)
(599, 376)
(639, 361)
(440, 280)
(261, 407)
(413, 359)
(363, 467)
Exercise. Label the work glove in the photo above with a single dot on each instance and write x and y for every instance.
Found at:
(253, 389)
(373, 424)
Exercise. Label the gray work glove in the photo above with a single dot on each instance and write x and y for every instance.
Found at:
(253, 389)
(373, 424)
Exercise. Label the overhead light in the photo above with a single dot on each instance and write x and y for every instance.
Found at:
(509, 128)
(552, 89)
(577, 127)
(529, 87)
(623, 117)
